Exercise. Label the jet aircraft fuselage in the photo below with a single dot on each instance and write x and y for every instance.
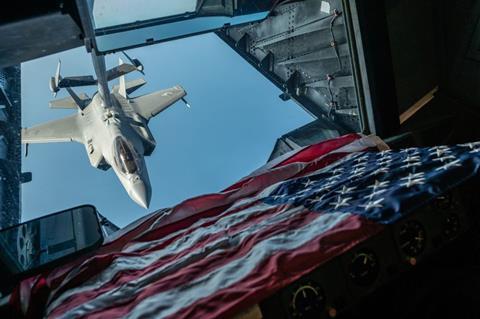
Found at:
(111, 136)
(113, 126)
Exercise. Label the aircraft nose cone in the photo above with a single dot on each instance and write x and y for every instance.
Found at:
(140, 193)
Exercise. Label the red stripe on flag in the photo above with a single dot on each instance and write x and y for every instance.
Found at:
(314, 151)
(308, 154)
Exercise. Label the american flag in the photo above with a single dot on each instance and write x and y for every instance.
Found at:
(215, 255)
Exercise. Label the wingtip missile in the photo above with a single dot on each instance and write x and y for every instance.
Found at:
(186, 102)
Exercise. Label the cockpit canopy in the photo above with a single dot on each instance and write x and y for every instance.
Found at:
(125, 156)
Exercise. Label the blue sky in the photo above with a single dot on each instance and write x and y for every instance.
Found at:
(235, 119)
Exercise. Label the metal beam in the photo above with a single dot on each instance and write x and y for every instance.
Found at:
(373, 64)
(85, 8)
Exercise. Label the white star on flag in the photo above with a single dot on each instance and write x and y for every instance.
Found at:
(308, 183)
(379, 184)
(411, 158)
(455, 163)
(316, 199)
(384, 152)
(414, 179)
(362, 159)
(338, 171)
(305, 190)
(333, 177)
(444, 158)
(330, 182)
(373, 204)
(345, 190)
(322, 189)
(360, 165)
(474, 146)
(471, 145)
(414, 150)
(411, 164)
(341, 202)
(358, 171)
(439, 150)
(384, 160)
(376, 192)
(380, 170)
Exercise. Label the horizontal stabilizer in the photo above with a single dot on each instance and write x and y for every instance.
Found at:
(120, 70)
(73, 81)
(62, 130)
(131, 86)
(151, 104)
(68, 102)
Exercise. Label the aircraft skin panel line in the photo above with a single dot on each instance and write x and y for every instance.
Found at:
(152, 104)
(63, 130)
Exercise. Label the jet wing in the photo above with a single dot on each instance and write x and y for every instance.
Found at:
(151, 104)
(120, 70)
(63, 130)
(68, 102)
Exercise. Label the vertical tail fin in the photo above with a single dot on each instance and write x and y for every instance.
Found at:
(54, 80)
(122, 90)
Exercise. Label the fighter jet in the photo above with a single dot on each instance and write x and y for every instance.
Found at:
(111, 124)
